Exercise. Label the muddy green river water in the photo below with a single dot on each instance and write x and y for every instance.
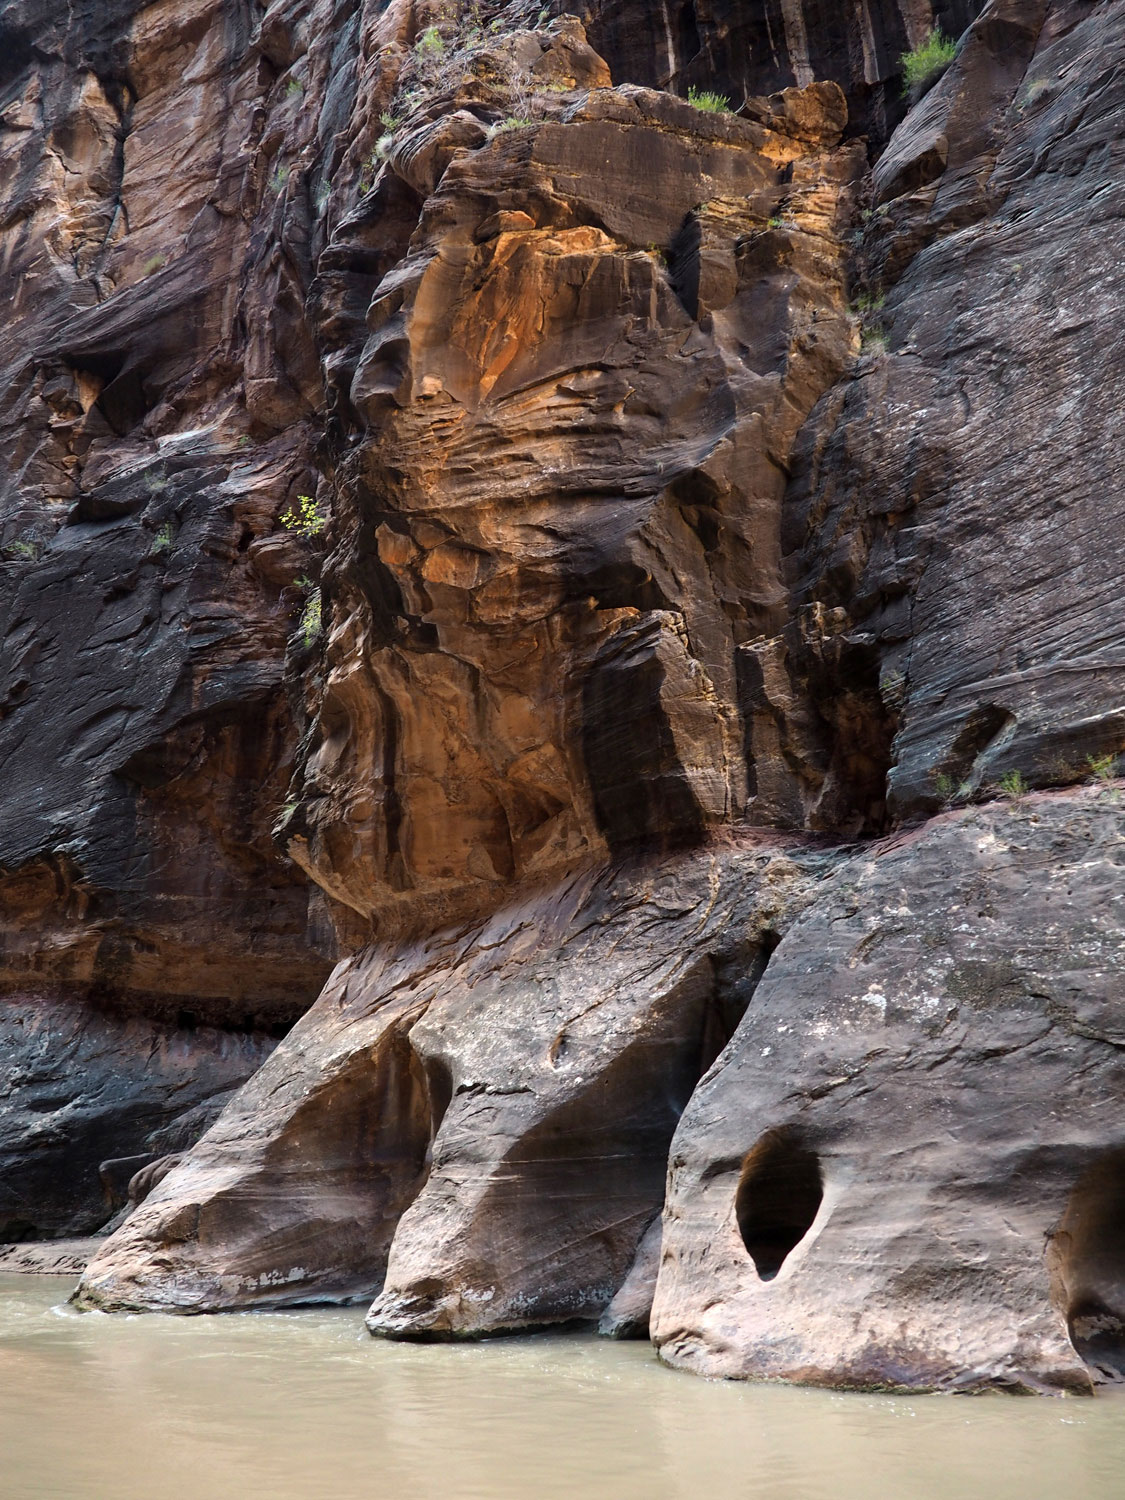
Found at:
(305, 1406)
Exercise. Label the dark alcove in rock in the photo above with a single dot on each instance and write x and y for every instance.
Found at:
(1089, 1263)
(779, 1195)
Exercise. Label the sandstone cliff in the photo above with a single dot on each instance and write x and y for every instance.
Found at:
(634, 585)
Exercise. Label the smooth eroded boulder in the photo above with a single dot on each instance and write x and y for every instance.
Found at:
(905, 1170)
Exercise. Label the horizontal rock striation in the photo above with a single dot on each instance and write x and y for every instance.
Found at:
(90, 1098)
(635, 583)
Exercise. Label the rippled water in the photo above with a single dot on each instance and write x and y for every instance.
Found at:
(305, 1406)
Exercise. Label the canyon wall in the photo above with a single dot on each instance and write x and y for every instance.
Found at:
(633, 586)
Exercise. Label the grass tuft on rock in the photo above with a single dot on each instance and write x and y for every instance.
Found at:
(924, 65)
(708, 101)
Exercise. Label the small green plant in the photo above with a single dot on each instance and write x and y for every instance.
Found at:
(892, 687)
(162, 541)
(946, 788)
(310, 626)
(776, 222)
(924, 65)
(27, 548)
(389, 121)
(154, 263)
(708, 101)
(1013, 786)
(873, 340)
(279, 179)
(1103, 767)
(306, 517)
(950, 791)
(512, 122)
(431, 43)
(868, 302)
(294, 87)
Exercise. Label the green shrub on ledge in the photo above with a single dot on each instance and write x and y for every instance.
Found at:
(925, 64)
(711, 103)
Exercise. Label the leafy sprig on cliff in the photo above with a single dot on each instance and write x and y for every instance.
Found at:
(924, 65)
(707, 100)
(306, 517)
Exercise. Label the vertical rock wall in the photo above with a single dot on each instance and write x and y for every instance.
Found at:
(742, 50)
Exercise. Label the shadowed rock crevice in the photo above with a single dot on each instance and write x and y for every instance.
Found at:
(821, 712)
(1087, 1258)
(643, 791)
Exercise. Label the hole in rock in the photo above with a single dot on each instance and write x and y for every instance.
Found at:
(1089, 1246)
(18, 1232)
(779, 1195)
(16, 53)
(439, 1084)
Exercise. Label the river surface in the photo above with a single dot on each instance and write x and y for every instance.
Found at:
(305, 1406)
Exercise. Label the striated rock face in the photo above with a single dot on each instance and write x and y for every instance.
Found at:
(607, 571)
(940, 530)
(146, 740)
(89, 1098)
